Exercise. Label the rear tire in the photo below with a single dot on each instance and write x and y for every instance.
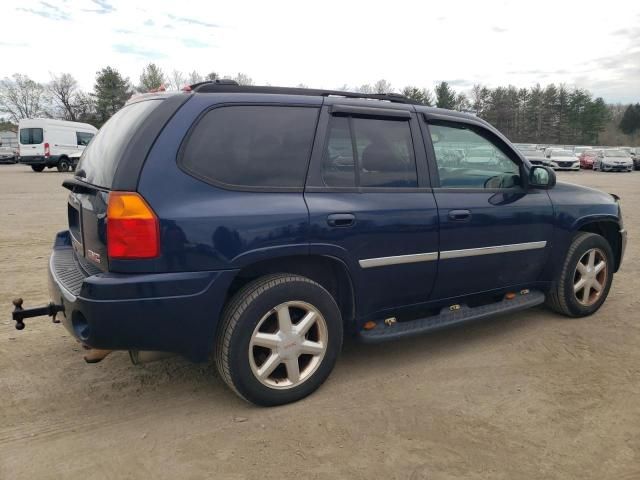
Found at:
(585, 279)
(63, 165)
(279, 339)
(37, 168)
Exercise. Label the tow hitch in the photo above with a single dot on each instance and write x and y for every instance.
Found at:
(19, 313)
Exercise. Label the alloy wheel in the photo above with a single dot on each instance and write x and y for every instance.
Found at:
(590, 277)
(288, 345)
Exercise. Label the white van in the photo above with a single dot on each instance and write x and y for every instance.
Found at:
(43, 142)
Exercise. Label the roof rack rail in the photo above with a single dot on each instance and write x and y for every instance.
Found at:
(225, 86)
(218, 81)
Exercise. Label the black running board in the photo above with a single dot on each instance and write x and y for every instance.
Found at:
(448, 316)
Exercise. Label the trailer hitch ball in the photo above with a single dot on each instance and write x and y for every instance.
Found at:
(19, 313)
(17, 307)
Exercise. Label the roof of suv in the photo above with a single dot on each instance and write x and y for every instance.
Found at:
(386, 99)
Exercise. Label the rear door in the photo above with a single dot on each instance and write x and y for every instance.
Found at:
(494, 232)
(31, 141)
(370, 203)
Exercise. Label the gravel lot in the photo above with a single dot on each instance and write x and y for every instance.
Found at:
(530, 395)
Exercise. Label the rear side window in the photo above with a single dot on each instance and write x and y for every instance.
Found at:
(31, 136)
(383, 152)
(101, 157)
(251, 146)
(83, 138)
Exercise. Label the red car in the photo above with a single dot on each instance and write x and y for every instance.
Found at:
(586, 159)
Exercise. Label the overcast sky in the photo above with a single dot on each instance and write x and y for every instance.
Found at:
(326, 44)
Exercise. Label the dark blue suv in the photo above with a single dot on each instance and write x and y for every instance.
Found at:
(262, 224)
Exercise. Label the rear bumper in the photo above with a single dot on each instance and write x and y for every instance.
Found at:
(39, 160)
(172, 312)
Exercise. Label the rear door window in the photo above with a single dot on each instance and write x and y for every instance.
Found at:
(251, 146)
(382, 149)
(31, 136)
(101, 157)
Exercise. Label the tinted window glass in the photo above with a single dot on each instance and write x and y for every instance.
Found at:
(252, 146)
(84, 138)
(31, 136)
(338, 169)
(468, 160)
(384, 153)
(101, 158)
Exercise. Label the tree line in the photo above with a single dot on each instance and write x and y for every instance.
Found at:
(62, 98)
(551, 114)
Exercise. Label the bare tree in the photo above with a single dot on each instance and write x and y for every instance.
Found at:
(382, 86)
(176, 80)
(243, 79)
(194, 77)
(21, 97)
(64, 96)
(366, 89)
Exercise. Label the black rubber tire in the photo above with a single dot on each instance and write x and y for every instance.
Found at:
(560, 297)
(37, 168)
(239, 319)
(63, 165)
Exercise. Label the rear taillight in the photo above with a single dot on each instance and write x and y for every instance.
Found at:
(47, 150)
(132, 228)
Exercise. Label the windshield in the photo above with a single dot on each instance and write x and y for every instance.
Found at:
(529, 152)
(102, 156)
(561, 153)
(615, 153)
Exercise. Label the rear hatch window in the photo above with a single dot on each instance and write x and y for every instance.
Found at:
(100, 159)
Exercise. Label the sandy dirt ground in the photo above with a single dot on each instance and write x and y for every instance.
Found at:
(526, 396)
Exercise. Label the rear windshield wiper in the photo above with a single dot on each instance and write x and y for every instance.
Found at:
(78, 186)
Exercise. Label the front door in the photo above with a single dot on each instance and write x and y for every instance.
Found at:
(370, 204)
(494, 233)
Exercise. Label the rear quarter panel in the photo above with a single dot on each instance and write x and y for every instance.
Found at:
(204, 227)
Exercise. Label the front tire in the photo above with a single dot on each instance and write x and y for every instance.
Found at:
(37, 168)
(585, 279)
(279, 339)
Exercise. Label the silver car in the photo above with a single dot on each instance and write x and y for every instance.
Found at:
(613, 160)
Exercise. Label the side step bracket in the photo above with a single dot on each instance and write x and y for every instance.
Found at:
(449, 316)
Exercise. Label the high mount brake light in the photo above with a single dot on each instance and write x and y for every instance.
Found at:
(133, 230)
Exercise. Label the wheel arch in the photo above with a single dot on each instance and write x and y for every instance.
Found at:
(330, 272)
(610, 230)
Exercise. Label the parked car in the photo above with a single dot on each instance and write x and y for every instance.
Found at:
(44, 142)
(635, 156)
(587, 158)
(579, 150)
(562, 159)
(535, 157)
(7, 155)
(262, 224)
(613, 160)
